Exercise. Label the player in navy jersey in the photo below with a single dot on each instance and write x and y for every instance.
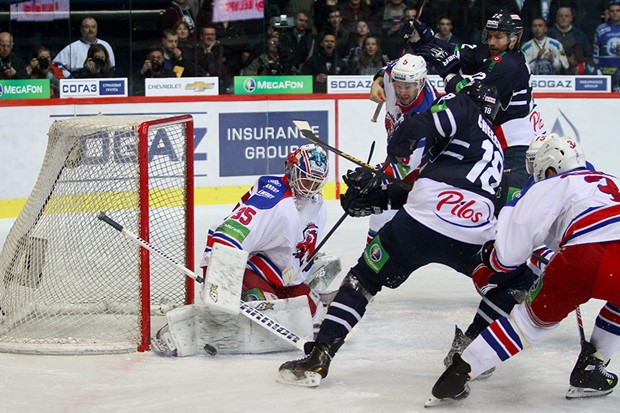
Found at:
(445, 219)
(503, 65)
(576, 212)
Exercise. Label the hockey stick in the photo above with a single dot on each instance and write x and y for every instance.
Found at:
(582, 334)
(253, 314)
(377, 112)
(305, 129)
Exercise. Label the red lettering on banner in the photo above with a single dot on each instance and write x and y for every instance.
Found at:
(460, 208)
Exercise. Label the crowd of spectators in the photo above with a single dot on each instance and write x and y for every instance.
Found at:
(325, 37)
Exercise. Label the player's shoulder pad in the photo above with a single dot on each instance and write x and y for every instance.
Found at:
(269, 190)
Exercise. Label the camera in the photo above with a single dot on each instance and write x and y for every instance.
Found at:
(44, 63)
(155, 65)
(283, 22)
(284, 25)
(99, 62)
(4, 66)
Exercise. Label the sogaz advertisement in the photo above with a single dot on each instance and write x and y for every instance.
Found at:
(258, 143)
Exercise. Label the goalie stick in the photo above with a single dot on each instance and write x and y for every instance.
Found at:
(305, 129)
(253, 314)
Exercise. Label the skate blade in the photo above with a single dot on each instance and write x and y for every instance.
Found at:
(160, 348)
(583, 393)
(434, 401)
(299, 378)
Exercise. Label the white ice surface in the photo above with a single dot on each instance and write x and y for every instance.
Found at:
(389, 365)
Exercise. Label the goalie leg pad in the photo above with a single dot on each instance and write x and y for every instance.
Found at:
(222, 287)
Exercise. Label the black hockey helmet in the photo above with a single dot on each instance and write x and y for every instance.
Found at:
(501, 21)
(485, 97)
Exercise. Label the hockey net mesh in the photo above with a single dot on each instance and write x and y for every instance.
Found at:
(69, 283)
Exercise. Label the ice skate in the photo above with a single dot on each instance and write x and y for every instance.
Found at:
(309, 371)
(589, 377)
(460, 343)
(452, 384)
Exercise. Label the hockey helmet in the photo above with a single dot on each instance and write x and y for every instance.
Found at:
(306, 170)
(485, 97)
(502, 21)
(532, 150)
(409, 69)
(561, 154)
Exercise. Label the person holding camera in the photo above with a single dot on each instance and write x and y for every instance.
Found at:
(41, 67)
(11, 66)
(97, 64)
(268, 63)
(153, 67)
(71, 59)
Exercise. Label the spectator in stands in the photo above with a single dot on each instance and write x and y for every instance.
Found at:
(353, 11)
(153, 67)
(574, 41)
(356, 41)
(323, 63)
(41, 67)
(587, 14)
(455, 10)
(411, 13)
(297, 42)
(370, 60)
(11, 66)
(235, 45)
(179, 10)
(268, 63)
(210, 54)
(393, 15)
(607, 43)
(444, 31)
(71, 59)
(321, 10)
(173, 56)
(186, 42)
(334, 25)
(97, 64)
(544, 55)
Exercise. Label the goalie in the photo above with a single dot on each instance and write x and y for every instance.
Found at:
(278, 222)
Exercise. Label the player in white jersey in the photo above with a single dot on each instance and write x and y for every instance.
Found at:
(576, 212)
(404, 87)
(279, 222)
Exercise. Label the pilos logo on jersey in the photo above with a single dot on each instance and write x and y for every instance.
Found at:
(270, 85)
(25, 89)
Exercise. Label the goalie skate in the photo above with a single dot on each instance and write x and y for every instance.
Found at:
(162, 344)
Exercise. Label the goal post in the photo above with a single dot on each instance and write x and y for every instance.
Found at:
(67, 283)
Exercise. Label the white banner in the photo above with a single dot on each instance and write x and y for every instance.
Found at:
(40, 10)
(233, 10)
(93, 88)
(182, 86)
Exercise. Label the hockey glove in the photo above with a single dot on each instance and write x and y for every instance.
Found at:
(399, 145)
(410, 26)
(485, 279)
(444, 61)
(362, 200)
(485, 252)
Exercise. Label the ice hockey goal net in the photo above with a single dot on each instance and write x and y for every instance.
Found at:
(68, 282)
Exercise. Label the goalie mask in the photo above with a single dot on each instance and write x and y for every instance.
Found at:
(561, 154)
(409, 75)
(505, 22)
(306, 170)
(485, 97)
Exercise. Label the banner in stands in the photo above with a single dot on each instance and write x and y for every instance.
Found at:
(233, 10)
(25, 89)
(541, 83)
(258, 143)
(40, 10)
(182, 86)
(92, 88)
(270, 85)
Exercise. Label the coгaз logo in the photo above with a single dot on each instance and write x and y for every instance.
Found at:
(249, 85)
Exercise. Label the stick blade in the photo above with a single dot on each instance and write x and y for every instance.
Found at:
(302, 125)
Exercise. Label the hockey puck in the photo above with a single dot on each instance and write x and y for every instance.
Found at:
(212, 351)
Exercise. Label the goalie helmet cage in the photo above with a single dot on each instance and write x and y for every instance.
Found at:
(68, 282)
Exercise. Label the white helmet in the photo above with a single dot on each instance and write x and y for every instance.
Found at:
(306, 170)
(532, 150)
(410, 69)
(559, 153)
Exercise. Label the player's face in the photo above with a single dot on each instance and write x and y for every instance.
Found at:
(406, 92)
(498, 42)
